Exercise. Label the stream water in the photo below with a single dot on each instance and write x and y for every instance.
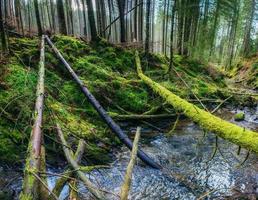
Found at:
(188, 156)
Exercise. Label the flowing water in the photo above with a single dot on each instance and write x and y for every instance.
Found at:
(193, 170)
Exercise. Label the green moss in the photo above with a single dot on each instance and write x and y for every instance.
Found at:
(108, 72)
(238, 135)
(132, 99)
(239, 116)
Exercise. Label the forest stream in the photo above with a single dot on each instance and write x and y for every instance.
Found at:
(189, 153)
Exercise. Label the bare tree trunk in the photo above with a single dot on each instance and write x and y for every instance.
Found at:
(40, 30)
(147, 39)
(2, 31)
(121, 6)
(61, 17)
(93, 30)
(172, 37)
(84, 18)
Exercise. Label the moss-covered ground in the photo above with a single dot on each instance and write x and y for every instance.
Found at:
(110, 74)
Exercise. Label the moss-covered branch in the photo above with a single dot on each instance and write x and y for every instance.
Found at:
(231, 132)
(140, 117)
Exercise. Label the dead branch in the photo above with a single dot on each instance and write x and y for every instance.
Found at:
(63, 180)
(128, 177)
(75, 165)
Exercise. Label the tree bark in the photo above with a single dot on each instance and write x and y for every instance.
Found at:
(93, 30)
(147, 39)
(33, 162)
(39, 25)
(61, 17)
(121, 8)
(2, 31)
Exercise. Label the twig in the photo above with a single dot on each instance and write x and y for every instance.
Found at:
(44, 184)
(215, 110)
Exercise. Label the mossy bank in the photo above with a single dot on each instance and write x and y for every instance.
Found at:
(110, 74)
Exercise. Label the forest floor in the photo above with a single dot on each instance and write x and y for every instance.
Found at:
(110, 74)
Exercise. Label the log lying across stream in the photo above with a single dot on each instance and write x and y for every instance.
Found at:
(103, 114)
(226, 130)
(31, 186)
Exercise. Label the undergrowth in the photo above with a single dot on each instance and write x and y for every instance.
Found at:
(110, 74)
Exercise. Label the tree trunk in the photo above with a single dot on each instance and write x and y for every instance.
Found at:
(39, 25)
(172, 37)
(121, 8)
(84, 18)
(248, 28)
(93, 30)
(2, 30)
(147, 39)
(61, 17)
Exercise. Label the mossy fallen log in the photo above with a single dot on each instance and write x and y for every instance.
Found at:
(140, 117)
(34, 162)
(226, 130)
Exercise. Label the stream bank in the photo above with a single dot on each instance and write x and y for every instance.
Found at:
(187, 152)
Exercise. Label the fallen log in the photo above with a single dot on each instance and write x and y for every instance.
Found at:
(31, 185)
(129, 171)
(103, 114)
(92, 188)
(226, 130)
(140, 117)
